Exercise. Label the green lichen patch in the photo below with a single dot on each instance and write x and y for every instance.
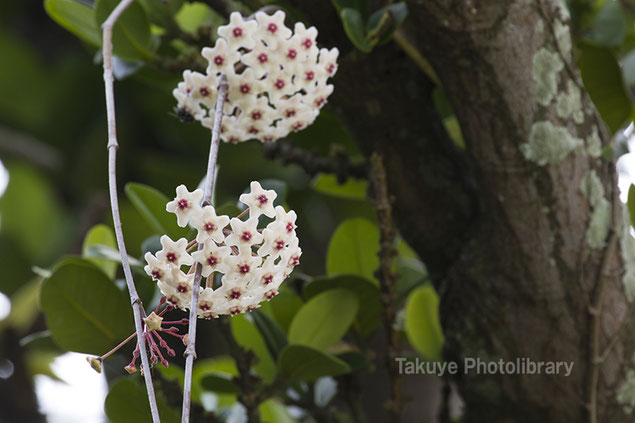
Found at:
(549, 143)
(599, 225)
(545, 68)
(592, 188)
(563, 38)
(594, 143)
(626, 393)
(569, 103)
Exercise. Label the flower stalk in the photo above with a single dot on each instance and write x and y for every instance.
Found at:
(113, 145)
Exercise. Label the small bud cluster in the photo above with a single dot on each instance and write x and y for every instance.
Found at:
(250, 263)
(277, 79)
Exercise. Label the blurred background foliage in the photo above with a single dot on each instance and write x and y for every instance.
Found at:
(319, 339)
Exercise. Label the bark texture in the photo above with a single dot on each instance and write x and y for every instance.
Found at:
(504, 236)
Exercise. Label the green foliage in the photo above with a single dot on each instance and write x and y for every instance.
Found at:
(131, 38)
(377, 29)
(75, 17)
(151, 204)
(368, 315)
(273, 336)
(603, 81)
(127, 402)
(353, 249)
(352, 188)
(219, 383)
(285, 306)
(610, 25)
(353, 24)
(324, 319)
(104, 236)
(248, 336)
(422, 322)
(84, 310)
(302, 363)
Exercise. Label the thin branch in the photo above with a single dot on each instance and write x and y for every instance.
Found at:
(113, 145)
(339, 165)
(386, 278)
(190, 351)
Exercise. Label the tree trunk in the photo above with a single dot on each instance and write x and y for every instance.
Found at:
(522, 230)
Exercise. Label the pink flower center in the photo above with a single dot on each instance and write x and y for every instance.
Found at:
(245, 88)
(234, 294)
(320, 101)
(235, 310)
(253, 130)
(204, 91)
(262, 199)
(209, 227)
(330, 68)
(262, 58)
(279, 245)
(212, 261)
(183, 204)
(182, 288)
(256, 115)
(291, 54)
(204, 307)
(237, 32)
(307, 43)
(246, 236)
(270, 294)
(157, 274)
(272, 27)
(171, 257)
(219, 60)
(279, 84)
(309, 75)
(290, 227)
(267, 279)
(289, 112)
(297, 126)
(244, 269)
(295, 260)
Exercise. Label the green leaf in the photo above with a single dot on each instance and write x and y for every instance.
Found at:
(16, 269)
(610, 25)
(603, 81)
(127, 402)
(274, 411)
(76, 18)
(84, 310)
(324, 319)
(352, 188)
(247, 335)
(422, 322)
(151, 204)
(630, 203)
(100, 235)
(353, 249)
(273, 336)
(299, 362)
(110, 254)
(284, 307)
(368, 316)
(219, 383)
(354, 27)
(161, 12)
(131, 37)
(383, 23)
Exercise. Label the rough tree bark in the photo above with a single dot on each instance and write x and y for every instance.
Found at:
(528, 262)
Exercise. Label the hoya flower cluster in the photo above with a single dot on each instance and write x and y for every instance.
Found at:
(243, 265)
(277, 79)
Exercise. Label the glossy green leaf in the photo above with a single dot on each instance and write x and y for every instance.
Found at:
(76, 17)
(610, 25)
(274, 411)
(127, 402)
(354, 27)
(219, 366)
(284, 307)
(351, 188)
(603, 81)
(368, 315)
(422, 322)
(131, 38)
(100, 235)
(151, 204)
(299, 362)
(353, 249)
(324, 319)
(219, 383)
(161, 12)
(273, 336)
(248, 336)
(383, 23)
(84, 310)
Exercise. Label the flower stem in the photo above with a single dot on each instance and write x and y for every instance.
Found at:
(190, 351)
(113, 145)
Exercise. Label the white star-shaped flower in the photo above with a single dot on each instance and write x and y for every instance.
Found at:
(244, 234)
(306, 38)
(209, 225)
(157, 269)
(328, 60)
(259, 200)
(221, 58)
(186, 204)
(239, 32)
(213, 258)
(242, 266)
(174, 252)
(271, 28)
